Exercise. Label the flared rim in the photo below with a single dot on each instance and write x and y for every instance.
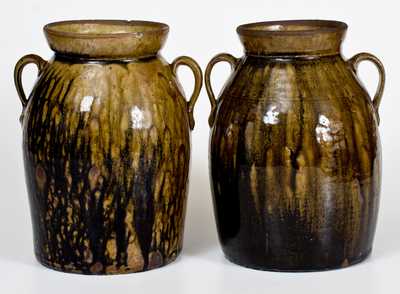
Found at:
(290, 27)
(106, 39)
(116, 28)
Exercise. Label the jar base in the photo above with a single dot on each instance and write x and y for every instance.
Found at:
(301, 268)
(120, 271)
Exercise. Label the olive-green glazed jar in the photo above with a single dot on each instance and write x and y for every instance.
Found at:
(106, 145)
(295, 155)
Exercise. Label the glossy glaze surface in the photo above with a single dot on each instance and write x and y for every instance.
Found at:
(106, 149)
(295, 159)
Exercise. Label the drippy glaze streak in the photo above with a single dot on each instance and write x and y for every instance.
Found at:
(295, 157)
(106, 149)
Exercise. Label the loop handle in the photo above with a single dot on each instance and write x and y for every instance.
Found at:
(198, 82)
(19, 67)
(355, 61)
(233, 61)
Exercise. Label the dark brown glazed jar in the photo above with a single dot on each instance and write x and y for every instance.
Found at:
(295, 155)
(106, 144)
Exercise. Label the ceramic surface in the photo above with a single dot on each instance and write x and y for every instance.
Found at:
(106, 144)
(295, 155)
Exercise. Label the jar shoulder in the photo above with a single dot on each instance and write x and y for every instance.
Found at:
(263, 89)
(107, 91)
(316, 106)
(102, 77)
(280, 78)
(118, 98)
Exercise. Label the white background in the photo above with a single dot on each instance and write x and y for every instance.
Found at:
(199, 29)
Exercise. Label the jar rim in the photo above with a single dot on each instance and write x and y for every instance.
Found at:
(106, 39)
(292, 37)
(102, 28)
(290, 27)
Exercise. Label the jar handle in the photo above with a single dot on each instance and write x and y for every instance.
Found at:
(19, 67)
(354, 62)
(198, 82)
(233, 61)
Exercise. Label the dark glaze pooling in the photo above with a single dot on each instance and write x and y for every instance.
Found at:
(295, 164)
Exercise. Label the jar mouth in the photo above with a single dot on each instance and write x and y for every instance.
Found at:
(103, 28)
(290, 27)
(293, 36)
(106, 38)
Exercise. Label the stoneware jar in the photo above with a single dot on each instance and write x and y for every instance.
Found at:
(295, 151)
(106, 145)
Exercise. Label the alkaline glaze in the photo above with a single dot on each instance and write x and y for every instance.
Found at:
(106, 144)
(295, 154)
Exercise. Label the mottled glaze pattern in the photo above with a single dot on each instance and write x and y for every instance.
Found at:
(106, 148)
(295, 161)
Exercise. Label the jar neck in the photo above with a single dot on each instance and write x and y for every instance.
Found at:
(71, 58)
(292, 38)
(292, 56)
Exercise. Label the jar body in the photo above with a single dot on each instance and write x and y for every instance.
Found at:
(106, 147)
(295, 164)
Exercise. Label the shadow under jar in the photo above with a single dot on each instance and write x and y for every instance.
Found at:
(106, 144)
(295, 155)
